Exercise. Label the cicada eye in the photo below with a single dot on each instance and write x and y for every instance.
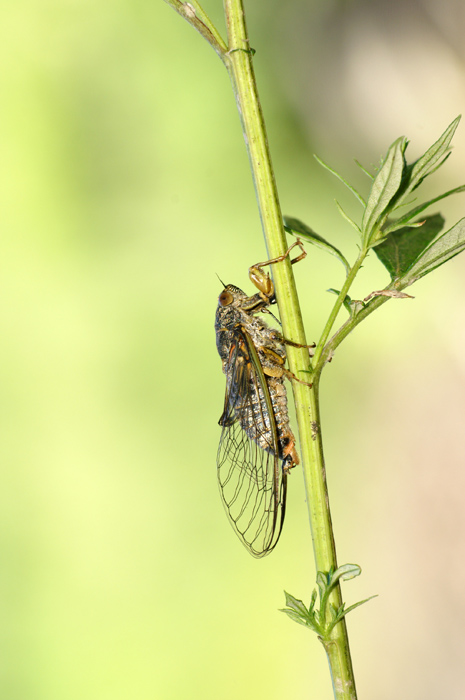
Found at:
(225, 298)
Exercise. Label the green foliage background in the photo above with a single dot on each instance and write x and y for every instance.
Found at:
(125, 188)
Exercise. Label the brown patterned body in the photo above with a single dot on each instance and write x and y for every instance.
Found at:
(257, 446)
(253, 415)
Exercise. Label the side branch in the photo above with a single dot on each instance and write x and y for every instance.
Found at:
(392, 290)
(198, 18)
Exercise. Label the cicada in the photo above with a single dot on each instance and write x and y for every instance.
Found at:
(257, 447)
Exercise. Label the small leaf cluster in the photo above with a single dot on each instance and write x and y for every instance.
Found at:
(409, 248)
(323, 620)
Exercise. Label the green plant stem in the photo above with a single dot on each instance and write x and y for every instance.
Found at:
(237, 58)
(307, 405)
(337, 307)
(337, 648)
(243, 81)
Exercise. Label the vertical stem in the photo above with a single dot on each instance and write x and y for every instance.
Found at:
(239, 64)
(311, 444)
(242, 75)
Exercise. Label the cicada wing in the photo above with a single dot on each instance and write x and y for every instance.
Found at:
(250, 475)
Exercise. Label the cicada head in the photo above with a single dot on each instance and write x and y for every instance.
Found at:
(231, 294)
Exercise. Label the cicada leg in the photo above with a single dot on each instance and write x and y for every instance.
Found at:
(278, 370)
(285, 341)
(287, 373)
(262, 279)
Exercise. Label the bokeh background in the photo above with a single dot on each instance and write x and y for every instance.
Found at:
(125, 188)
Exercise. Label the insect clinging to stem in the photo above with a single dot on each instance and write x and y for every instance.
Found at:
(257, 447)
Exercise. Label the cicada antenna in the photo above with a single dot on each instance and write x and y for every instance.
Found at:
(220, 280)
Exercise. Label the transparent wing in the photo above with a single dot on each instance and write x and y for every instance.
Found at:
(250, 475)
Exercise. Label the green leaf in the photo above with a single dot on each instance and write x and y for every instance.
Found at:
(346, 572)
(356, 605)
(403, 220)
(322, 580)
(299, 619)
(396, 226)
(432, 159)
(339, 177)
(298, 228)
(364, 170)
(296, 604)
(318, 620)
(400, 249)
(438, 252)
(348, 303)
(347, 218)
(343, 611)
(297, 611)
(384, 188)
(334, 612)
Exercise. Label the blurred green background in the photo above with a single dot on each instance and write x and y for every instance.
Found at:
(125, 188)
